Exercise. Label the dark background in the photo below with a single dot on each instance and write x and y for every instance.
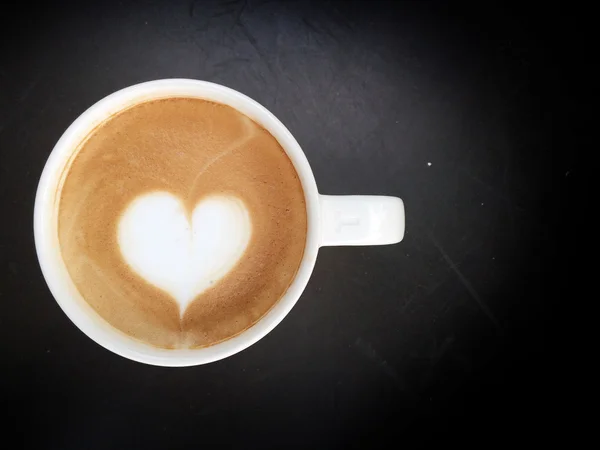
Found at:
(466, 112)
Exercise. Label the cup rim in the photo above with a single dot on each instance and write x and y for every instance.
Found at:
(46, 236)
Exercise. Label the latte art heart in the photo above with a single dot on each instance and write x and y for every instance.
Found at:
(181, 254)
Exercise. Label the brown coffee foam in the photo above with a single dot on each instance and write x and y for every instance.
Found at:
(191, 148)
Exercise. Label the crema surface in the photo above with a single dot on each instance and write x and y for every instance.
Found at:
(216, 172)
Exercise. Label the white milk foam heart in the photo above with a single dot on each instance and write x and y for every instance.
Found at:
(158, 241)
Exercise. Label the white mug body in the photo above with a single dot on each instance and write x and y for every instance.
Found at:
(331, 220)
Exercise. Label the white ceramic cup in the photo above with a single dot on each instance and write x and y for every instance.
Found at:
(332, 220)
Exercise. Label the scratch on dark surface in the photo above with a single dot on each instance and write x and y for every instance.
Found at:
(442, 349)
(467, 284)
(14, 268)
(507, 171)
(428, 291)
(310, 25)
(213, 10)
(369, 352)
(238, 16)
(438, 351)
(250, 37)
(28, 90)
(491, 188)
(342, 20)
(323, 30)
(230, 62)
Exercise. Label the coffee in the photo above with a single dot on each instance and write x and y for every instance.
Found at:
(181, 221)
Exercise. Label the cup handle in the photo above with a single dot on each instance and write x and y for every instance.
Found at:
(361, 220)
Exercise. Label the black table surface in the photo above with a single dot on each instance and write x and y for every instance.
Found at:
(445, 334)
